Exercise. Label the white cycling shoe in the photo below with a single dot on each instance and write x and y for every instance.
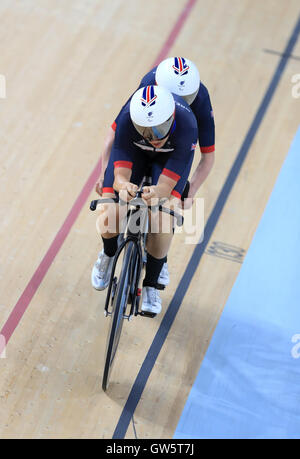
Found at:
(164, 275)
(151, 300)
(101, 271)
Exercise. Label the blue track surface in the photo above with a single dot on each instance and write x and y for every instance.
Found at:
(249, 383)
(159, 339)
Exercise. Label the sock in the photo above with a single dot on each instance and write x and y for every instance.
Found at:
(110, 245)
(153, 269)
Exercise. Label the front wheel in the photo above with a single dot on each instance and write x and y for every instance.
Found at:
(118, 310)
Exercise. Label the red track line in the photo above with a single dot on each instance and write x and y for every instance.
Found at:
(34, 283)
(46, 262)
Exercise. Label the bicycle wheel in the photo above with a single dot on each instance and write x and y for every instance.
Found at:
(118, 310)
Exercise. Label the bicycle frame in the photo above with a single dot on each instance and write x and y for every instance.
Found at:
(137, 204)
(127, 288)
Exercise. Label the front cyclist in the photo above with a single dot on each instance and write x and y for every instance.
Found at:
(157, 129)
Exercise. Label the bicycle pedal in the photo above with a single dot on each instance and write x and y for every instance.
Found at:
(151, 315)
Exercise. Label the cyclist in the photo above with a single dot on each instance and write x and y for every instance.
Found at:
(181, 77)
(154, 128)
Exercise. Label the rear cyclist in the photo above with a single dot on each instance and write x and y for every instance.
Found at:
(159, 129)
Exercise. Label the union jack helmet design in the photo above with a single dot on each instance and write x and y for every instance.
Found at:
(180, 66)
(180, 76)
(148, 98)
(155, 122)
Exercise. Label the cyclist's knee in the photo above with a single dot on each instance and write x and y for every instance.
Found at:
(108, 218)
(162, 222)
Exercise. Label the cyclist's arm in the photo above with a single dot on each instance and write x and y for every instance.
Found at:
(206, 133)
(122, 176)
(203, 111)
(201, 172)
(170, 175)
(122, 183)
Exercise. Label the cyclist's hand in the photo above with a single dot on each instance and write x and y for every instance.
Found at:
(149, 192)
(128, 191)
(99, 186)
(189, 201)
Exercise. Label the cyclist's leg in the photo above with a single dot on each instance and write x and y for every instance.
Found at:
(158, 241)
(108, 228)
(107, 220)
(161, 224)
(161, 241)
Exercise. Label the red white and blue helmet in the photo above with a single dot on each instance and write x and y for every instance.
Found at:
(180, 76)
(152, 110)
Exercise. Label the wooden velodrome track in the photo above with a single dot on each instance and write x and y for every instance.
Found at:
(69, 66)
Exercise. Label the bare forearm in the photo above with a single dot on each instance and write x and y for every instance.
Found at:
(201, 173)
(164, 186)
(122, 178)
(163, 191)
